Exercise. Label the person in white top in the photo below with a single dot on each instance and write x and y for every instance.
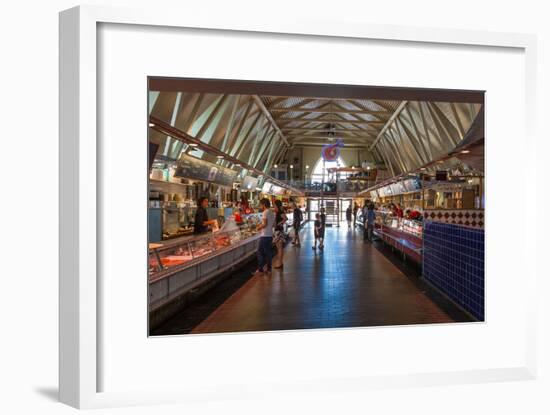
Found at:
(265, 248)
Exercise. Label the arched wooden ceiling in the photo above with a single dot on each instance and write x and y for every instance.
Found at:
(258, 129)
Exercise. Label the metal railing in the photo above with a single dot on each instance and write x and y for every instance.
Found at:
(343, 186)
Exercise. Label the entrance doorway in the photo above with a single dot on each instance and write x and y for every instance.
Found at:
(335, 209)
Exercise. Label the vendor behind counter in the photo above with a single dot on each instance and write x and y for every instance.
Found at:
(201, 218)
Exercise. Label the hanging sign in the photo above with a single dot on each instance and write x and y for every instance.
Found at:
(249, 183)
(266, 188)
(331, 152)
(194, 168)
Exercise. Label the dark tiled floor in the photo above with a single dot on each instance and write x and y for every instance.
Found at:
(350, 284)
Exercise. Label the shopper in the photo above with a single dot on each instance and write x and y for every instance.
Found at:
(371, 218)
(201, 217)
(265, 245)
(318, 232)
(348, 216)
(323, 218)
(279, 233)
(297, 218)
(355, 210)
(364, 214)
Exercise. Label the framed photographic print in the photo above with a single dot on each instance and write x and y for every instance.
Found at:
(254, 205)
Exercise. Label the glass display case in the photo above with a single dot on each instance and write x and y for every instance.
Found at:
(250, 223)
(381, 217)
(201, 246)
(410, 226)
(173, 255)
(402, 234)
(413, 227)
(163, 257)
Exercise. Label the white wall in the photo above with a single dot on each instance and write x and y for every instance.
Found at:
(28, 360)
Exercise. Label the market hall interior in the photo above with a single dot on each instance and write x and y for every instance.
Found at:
(395, 176)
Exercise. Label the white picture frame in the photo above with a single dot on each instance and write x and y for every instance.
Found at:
(79, 360)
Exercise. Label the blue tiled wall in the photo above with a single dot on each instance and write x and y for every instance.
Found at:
(454, 261)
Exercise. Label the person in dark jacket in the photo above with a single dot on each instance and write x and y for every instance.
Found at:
(369, 221)
(297, 218)
(201, 217)
(323, 218)
(318, 232)
(348, 216)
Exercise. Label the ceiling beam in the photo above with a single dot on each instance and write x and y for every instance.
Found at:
(212, 116)
(324, 137)
(323, 141)
(230, 123)
(332, 121)
(326, 130)
(310, 90)
(167, 129)
(325, 111)
(262, 106)
(277, 101)
(388, 123)
(319, 145)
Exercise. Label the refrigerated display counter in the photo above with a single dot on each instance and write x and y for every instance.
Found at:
(402, 234)
(192, 264)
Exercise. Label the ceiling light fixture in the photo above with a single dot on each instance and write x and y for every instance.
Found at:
(275, 166)
(220, 157)
(193, 145)
(465, 151)
(151, 124)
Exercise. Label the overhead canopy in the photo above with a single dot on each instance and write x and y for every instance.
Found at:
(258, 122)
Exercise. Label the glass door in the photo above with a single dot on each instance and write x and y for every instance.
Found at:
(312, 208)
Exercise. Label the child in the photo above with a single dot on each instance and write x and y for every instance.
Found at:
(319, 232)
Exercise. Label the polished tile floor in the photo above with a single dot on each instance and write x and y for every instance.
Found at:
(350, 284)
